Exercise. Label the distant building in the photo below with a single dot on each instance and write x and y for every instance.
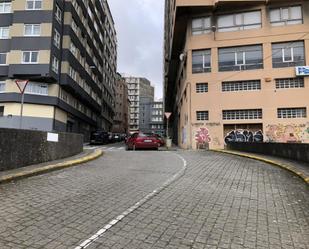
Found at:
(157, 118)
(236, 70)
(137, 88)
(67, 51)
(121, 118)
(151, 116)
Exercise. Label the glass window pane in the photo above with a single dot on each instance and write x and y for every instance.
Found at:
(296, 12)
(287, 54)
(36, 30)
(38, 4)
(26, 57)
(225, 21)
(34, 57)
(285, 13)
(29, 4)
(196, 23)
(252, 17)
(254, 57)
(28, 29)
(2, 59)
(240, 58)
(238, 20)
(275, 15)
(207, 22)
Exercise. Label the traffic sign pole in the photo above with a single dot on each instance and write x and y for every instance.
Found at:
(167, 115)
(21, 84)
(21, 111)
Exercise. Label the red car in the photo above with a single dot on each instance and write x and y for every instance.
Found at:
(142, 141)
(161, 139)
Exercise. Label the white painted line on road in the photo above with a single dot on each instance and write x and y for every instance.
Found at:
(138, 204)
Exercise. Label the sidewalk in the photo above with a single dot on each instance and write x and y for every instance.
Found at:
(37, 169)
(300, 169)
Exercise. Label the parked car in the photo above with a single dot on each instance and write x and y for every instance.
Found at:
(161, 139)
(117, 137)
(142, 141)
(98, 137)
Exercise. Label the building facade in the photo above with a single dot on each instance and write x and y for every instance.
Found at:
(156, 123)
(151, 116)
(236, 71)
(137, 88)
(60, 47)
(121, 118)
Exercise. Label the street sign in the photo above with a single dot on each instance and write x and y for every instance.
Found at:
(167, 114)
(21, 84)
(302, 71)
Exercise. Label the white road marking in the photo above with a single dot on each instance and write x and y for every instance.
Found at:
(138, 204)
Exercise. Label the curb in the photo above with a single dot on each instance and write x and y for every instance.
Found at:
(52, 167)
(275, 163)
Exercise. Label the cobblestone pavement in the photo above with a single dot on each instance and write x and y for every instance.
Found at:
(222, 201)
(58, 209)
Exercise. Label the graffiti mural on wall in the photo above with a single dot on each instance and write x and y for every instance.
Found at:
(280, 133)
(244, 136)
(202, 137)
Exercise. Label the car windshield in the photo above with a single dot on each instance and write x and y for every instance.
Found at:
(145, 135)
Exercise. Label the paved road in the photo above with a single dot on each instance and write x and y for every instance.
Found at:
(221, 201)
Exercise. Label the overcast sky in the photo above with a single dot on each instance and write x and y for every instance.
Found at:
(139, 26)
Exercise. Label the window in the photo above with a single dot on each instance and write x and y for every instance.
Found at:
(73, 49)
(2, 58)
(72, 73)
(242, 114)
(240, 58)
(241, 86)
(201, 25)
(240, 21)
(292, 112)
(2, 87)
(288, 54)
(37, 88)
(1, 111)
(202, 115)
(290, 83)
(201, 61)
(32, 30)
(4, 32)
(74, 26)
(56, 38)
(5, 7)
(34, 4)
(55, 64)
(30, 57)
(286, 16)
(58, 13)
(201, 87)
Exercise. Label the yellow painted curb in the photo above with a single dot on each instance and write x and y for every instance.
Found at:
(27, 173)
(275, 163)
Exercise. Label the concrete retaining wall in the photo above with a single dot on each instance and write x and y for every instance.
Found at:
(19, 148)
(292, 151)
